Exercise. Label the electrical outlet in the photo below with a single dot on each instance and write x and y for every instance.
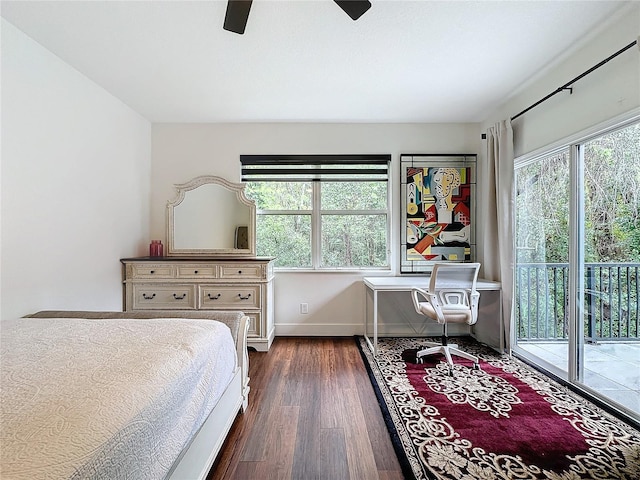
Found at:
(304, 308)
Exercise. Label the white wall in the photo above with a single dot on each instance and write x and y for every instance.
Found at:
(612, 90)
(75, 184)
(76, 171)
(336, 300)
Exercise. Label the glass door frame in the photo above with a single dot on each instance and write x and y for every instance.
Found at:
(575, 367)
(574, 373)
(521, 162)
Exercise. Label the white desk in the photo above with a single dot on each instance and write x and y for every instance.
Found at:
(487, 321)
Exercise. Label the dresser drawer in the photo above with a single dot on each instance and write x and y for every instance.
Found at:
(217, 297)
(196, 271)
(152, 271)
(255, 325)
(240, 271)
(162, 297)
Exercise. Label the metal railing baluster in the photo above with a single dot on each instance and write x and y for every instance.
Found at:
(611, 301)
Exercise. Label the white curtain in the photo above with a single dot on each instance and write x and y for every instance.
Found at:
(498, 218)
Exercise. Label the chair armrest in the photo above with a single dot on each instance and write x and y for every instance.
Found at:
(432, 298)
(474, 299)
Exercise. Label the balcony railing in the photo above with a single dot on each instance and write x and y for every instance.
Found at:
(611, 301)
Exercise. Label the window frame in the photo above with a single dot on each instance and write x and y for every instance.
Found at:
(316, 212)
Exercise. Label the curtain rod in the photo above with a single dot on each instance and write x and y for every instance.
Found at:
(567, 86)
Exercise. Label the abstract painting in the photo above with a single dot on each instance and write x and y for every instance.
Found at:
(437, 210)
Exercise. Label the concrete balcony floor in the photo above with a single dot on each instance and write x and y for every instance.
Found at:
(610, 368)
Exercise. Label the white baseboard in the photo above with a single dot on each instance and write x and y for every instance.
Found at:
(319, 329)
(351, 329)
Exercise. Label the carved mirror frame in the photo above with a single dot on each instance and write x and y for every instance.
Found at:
(182, 190)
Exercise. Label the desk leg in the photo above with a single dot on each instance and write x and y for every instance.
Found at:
(366, 312)
(504, 342)
(373, 345)
(375, 323)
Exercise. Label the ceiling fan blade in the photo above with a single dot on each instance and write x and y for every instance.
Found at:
(237, 14)
(354, 8)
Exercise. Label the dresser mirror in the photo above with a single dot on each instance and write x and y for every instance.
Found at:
(211, 217)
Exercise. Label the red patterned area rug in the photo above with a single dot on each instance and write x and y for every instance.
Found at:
(504, 421)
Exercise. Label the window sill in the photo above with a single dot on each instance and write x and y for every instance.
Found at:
(349, 271)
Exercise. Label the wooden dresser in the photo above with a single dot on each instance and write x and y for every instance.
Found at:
(204, 283)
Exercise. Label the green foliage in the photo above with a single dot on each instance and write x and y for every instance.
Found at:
(280, 195)
(354, 241)
(542, 210)
(353, 223)
(354, 195)
(611, 202)
(288, 234)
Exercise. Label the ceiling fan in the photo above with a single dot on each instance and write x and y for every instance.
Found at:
(237, 14)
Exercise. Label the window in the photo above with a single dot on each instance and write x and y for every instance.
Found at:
(320, 211)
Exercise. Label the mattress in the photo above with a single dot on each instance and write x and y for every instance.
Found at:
(106, 399)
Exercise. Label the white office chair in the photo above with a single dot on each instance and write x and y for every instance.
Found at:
(452, 297)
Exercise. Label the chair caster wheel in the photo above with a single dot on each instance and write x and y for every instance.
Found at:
(451, 371)
(476, 366)
(419, 360)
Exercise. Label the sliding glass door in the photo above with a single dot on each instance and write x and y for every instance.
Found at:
(610, 265)
(542, 259)
(577, 275)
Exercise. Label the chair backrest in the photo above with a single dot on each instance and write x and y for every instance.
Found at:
(452, 294)
(454, 285)
(455, 276)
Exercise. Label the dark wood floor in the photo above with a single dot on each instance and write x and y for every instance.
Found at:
(312, 415)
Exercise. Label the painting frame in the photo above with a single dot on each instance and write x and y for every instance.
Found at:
(438, 210)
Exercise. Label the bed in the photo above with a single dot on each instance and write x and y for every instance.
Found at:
(144, 395)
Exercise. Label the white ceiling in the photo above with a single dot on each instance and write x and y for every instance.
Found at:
(402, 61)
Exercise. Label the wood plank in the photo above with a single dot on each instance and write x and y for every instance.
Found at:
(312, 414)
(332, 454)
(306, 461)
(362, 462)
(280, 442)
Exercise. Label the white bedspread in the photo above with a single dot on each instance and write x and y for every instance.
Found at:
(106, 399)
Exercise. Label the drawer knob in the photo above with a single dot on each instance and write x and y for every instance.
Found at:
(213, 298)
(195, 271)
(148, 297)
(152, 272)
(179, 297)
(244, 298)
(239, 272)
